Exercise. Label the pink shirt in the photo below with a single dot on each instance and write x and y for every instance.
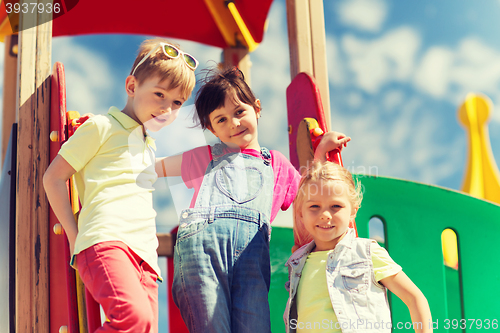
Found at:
(286, 177)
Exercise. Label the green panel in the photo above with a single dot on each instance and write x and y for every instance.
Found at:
(453, 294)
(281, 249)
(415, 216)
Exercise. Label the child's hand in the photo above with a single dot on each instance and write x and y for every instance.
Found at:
(78, 122)
(330, 141)
(85, 117)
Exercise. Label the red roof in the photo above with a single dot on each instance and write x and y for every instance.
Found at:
(184, 19)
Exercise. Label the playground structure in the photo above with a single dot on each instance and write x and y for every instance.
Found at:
(39, 304)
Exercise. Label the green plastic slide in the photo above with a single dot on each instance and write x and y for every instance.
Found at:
(414, 216)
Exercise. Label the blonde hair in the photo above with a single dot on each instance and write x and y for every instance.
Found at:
(166, 68)
(323, 171)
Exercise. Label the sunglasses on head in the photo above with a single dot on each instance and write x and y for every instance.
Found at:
(173, 53)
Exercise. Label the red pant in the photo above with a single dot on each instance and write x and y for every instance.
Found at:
(123, 284)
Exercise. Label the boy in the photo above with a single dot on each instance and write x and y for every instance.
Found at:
(113, 158)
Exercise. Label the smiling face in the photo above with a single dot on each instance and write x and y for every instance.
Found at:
(325, 212)
(152, 103)
(235, 123)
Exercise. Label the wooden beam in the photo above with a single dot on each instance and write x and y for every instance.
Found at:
(239, 57)
(32, 105)
(40, 277)
(318, 44)
(166, 245)
(24, 186)
(307, 44)
(299, 37)
(9, 90)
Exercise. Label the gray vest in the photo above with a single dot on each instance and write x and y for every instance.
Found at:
(359, 302)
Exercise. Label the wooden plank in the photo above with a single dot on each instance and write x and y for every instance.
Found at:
(32, 105)
(166, 245)
(40, 277)
(299, 37)
(24, 228)
(23, 205)
(9, 91)
(318, 44)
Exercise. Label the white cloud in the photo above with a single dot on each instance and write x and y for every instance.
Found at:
(336, 71)
(392, 100)
(432, 76)
(476, 68)
(354, 99)
(451, 73)
(89, 80)
(377, 62)
(366, 15)
(403, 124)
(405, 146)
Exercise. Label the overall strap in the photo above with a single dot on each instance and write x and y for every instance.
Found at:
(217, 151)
(266, 155)
(210, 152)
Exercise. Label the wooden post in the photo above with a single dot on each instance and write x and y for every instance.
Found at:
(239, 57)
(166, 245)
(32, 301)
(41, 159)
(318, 43)
(299, 37)
(9, 90)
(307, 43)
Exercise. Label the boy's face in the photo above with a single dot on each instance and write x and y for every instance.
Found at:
(154, 105)
(326, 212)
(236, 123)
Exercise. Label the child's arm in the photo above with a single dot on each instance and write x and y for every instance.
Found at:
(330, 141)
(54, 182)
(168, 166)
(401, 285)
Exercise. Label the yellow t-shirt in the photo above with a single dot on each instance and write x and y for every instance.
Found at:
(314, 309)
(115, 175)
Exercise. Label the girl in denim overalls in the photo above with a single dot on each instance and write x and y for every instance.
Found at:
(337, 282)
(222, 265)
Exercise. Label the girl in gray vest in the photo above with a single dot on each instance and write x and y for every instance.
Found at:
(337, 282)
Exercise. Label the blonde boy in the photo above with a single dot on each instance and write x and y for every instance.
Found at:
(114, 244)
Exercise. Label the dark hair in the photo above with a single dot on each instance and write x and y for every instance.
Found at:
(216, 86)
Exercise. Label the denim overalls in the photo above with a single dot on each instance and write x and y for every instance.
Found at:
(222, 265)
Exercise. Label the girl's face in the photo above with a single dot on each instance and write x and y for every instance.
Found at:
(235, 123)
(326, 212)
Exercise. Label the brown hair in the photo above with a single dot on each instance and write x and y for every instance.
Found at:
(216, 86)
(323, 171)
(166, 68)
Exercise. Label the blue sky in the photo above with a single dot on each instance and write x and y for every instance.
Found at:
(398, 71)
